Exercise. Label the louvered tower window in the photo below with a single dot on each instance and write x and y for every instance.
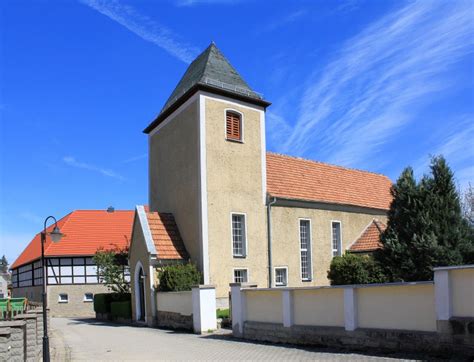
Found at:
(233, 126)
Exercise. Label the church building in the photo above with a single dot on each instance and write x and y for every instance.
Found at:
(218, 199)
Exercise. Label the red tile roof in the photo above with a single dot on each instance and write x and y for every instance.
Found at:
(166, 237)
(370, 238)
(297, 178)
(84, 232)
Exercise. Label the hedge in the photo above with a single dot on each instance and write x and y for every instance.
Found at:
(103, 301)
(179, 277)
(121, 309)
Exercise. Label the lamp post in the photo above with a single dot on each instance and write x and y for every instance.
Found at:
(56, 236)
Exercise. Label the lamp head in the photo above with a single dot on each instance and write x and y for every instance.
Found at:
(56, 235)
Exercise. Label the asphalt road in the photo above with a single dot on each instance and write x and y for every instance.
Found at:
(90, 340)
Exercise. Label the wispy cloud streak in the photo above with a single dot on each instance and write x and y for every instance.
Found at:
(374, 85)
(135, 158)
(209, 2)
(144, 27)
(71, 161)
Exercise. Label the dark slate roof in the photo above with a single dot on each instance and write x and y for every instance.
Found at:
(210, 71)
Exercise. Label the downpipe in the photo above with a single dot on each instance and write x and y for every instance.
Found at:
(269, 234)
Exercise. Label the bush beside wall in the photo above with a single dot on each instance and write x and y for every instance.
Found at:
(104, 301)
(180, 277)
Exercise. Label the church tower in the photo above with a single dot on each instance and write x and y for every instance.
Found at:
(207, 166)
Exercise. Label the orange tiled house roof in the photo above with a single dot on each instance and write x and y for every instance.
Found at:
(370, 238)
(300, 179)
(84, 232)
(166, 236)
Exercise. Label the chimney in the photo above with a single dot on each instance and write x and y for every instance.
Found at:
(110, 209)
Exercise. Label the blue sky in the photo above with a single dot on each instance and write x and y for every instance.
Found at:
(368, 84)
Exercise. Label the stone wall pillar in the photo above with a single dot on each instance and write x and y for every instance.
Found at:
(350, 308)
(288, 312)
(5, 335)
(204, 308)
(239, 307)
(12, 340)
(30, 335)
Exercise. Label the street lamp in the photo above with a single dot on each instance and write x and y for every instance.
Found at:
(56, 236)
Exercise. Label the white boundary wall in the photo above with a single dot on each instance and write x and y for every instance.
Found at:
(198, 304)
(414, 306)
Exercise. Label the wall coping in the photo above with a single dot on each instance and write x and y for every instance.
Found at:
(180, 292)
(24, 316)
(204, 286)
(243, 285)
(454, 267)
(5, 331)
(357, 286)
(18, 323)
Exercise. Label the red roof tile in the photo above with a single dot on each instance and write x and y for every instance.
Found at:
(166, 237)
(370, 238)
(297, 178)
(84, 232)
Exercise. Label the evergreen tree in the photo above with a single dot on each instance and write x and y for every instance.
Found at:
(425, 226)
(4, 265)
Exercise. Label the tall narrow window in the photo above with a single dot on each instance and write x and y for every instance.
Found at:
(233, 126)
(336, 238)
(238, 235)
(305, 249)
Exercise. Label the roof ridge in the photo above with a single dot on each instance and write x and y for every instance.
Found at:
(328, 164)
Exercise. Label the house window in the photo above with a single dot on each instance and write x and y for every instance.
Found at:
(305, 249)
(88, 297)
(281, 277)
(240, 276)
(336, 238)
(63, 298)
(238, 235)
(233, 126)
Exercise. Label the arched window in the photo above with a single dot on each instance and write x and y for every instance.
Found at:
(233, 126)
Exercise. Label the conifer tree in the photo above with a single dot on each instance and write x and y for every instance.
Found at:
(425, 226)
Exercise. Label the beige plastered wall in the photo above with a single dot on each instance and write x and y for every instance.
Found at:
(174, 175)
(175, 302)
(319, 307)
(234, 184)
(264, 306)
(139, 253)
(462, 289)
(410, 307)
(286, 239)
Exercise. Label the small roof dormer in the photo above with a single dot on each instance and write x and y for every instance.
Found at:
(212, 72)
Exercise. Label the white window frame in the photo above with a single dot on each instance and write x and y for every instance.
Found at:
(310, 250)
(86, 300)
(275, 276)
(242, 133)
(233, 274)
(60, 300)
(340, 239)
(245, 251)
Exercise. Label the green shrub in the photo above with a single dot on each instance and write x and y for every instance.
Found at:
(121, 309)
(179, 277)
(102, 301)
(222, 313)
(354, 269)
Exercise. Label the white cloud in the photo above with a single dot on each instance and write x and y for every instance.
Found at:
(71, 161)
(144, 27)
(372, 89)
(199, 2)
(136, 158)
(456, 146)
